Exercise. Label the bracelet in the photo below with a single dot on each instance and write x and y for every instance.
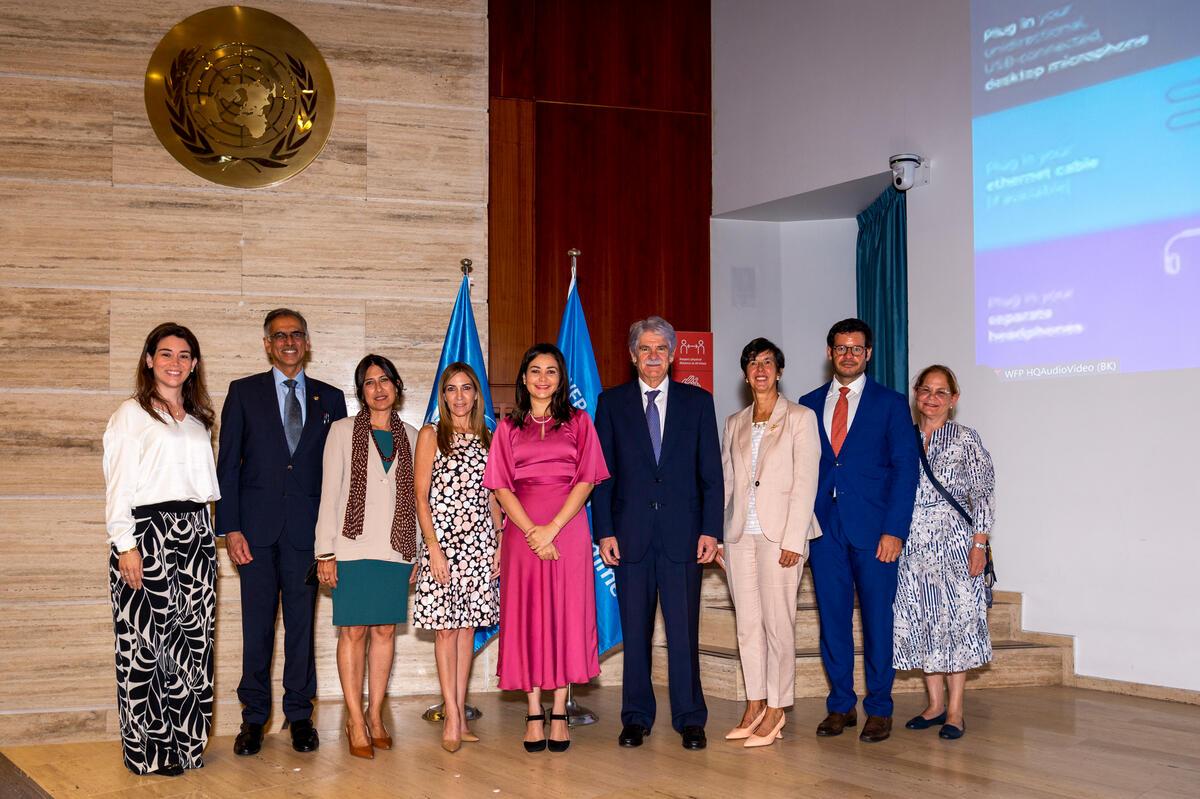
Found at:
(326, 556)
(979, 545)
(131, 549)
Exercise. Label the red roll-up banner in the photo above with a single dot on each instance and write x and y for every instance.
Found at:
(694, 358)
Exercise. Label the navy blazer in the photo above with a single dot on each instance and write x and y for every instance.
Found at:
(877, 470)
(265, 492)
(676, 500)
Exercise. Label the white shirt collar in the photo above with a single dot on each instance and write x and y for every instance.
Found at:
(856, 386)
(644, 387)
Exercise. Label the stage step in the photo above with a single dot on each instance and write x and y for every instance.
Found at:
(1014, 664)
(1020, 658)
(718, 625)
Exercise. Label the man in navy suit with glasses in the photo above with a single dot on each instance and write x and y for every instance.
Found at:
(273, 429)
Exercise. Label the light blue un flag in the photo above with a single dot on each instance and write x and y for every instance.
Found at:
(576, 345)
(462, 344)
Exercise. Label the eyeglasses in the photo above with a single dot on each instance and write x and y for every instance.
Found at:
(842, 349)
(942, 394)
(282, 336)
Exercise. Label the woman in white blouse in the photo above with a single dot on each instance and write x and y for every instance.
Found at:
(159, 478)
(771, 454)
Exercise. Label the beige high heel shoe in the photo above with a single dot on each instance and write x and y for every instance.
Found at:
(769, 738)
(738, 733)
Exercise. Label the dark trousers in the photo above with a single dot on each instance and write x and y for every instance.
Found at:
(641, 587)
(276, 572)
(838, 570)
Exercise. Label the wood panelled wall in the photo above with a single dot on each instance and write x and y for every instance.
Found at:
(601, 140)
(103, 235)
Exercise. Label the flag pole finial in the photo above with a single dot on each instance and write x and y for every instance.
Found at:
(574, 254)
(465, 265)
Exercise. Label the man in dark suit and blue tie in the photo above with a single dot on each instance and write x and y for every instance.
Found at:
(273, 429)
(868, 479)
(657, 520)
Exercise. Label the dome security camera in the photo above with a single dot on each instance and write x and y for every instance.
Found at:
(904, 170)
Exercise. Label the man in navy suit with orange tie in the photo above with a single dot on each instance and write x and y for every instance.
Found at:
(656, 521)
(273, 429)
(868, 479)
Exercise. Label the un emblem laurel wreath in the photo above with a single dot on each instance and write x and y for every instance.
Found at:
(192, 136)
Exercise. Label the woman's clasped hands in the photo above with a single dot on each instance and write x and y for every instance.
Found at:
(540, 539)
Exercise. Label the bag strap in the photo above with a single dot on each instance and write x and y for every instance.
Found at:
(989, 569)
(941, 489)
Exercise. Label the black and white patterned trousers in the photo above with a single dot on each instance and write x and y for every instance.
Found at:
(165, 638)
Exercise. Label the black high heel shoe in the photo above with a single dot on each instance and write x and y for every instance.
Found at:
(535, 746)
(559, 746)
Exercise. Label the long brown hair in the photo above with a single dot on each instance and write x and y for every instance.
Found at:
(195, 394)
(445, 425)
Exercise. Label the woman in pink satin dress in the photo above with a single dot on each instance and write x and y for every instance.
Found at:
(545, 459)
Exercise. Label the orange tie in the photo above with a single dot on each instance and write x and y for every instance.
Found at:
(837, 428)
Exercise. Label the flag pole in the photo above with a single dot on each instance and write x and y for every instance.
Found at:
(435, 712)
(577, 714)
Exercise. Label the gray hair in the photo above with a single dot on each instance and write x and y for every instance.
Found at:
(651, 324)
(277, 313)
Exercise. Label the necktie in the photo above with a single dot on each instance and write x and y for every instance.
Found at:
(841, 414)
(653, 423)
(293, 420)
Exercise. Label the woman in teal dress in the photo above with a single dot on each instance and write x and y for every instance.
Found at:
(366, 543)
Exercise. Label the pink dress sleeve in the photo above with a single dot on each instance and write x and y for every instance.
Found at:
(500, 469)
(590, 466)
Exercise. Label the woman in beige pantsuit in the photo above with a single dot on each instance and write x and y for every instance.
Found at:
(770, 453)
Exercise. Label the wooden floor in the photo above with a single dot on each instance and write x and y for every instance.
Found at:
(1020, 742)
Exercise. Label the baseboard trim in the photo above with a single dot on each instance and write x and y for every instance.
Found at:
(1143, 690)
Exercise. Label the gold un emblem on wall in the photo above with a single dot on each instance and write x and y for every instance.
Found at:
(239, 96)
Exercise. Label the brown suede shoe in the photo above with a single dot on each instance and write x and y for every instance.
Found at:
(877, 728)
(834, 723)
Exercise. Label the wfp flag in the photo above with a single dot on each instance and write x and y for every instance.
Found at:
(576, 345)
(462, 344)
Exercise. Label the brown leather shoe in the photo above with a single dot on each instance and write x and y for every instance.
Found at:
(834, 723)
(877, 728)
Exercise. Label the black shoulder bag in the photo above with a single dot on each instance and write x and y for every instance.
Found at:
(989, 568)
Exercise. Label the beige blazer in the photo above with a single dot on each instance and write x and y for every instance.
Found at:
(789, 459)
(375, 542)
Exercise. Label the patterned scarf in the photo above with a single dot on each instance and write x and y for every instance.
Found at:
(404, 519)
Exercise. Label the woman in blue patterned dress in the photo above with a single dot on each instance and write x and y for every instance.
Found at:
(940, 609)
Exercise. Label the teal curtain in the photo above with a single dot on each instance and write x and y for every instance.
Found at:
(883, 285)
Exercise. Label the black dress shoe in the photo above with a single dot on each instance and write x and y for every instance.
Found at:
(304, 736)
(249, 740)
(693, 737)
(922, 723)
(168, 770)
(632, 735)
(952, 733)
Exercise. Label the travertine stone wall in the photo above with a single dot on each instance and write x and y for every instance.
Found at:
(103, 235)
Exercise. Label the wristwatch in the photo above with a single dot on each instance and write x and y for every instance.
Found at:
(979, 545)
